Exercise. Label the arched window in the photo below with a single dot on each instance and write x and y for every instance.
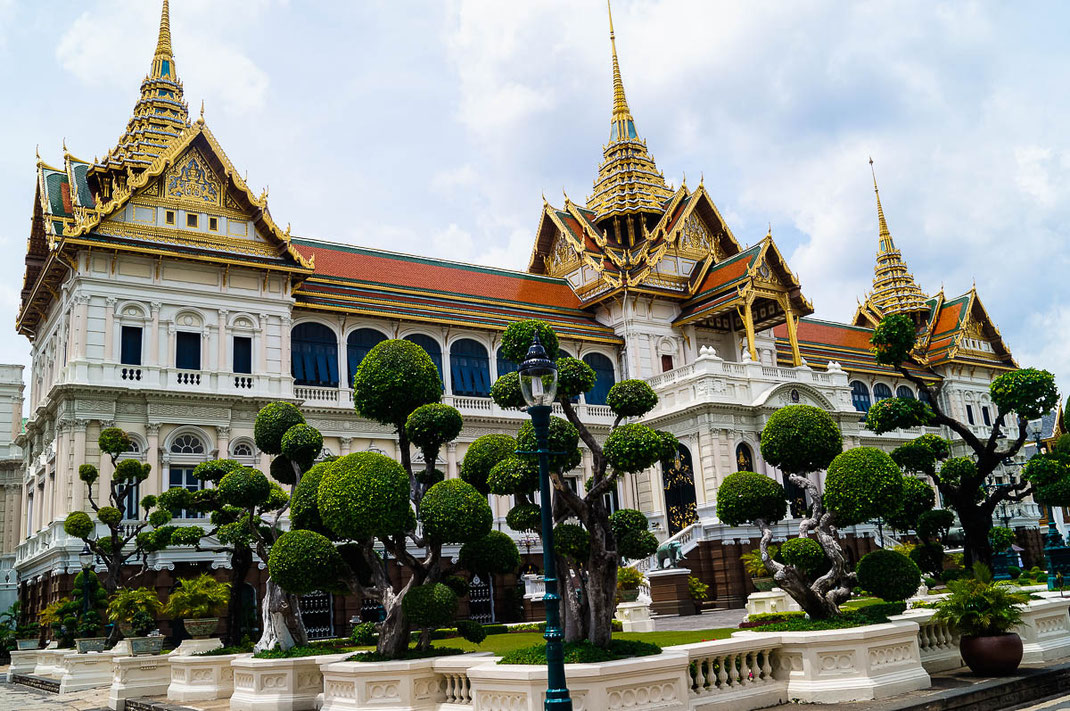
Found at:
(470, 368)
(187, 450)
(242, 448)
(187, 444)
(744, 458)
(860, 396)
(604, 378)
(357, 346)
(678, 480)
(431, 346)
(314, 355)
(505, 365)
(904, 392)
(881, 392)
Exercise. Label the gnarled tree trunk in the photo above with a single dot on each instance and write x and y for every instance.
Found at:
(394, 631)
(281, 618)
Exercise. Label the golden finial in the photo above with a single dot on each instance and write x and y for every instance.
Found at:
(623, 123)
(769, 234)
(37, 152)
(683, 183)
(701, 178)
(287, 231)
(886, 244)
(163, 44)
(201, 119)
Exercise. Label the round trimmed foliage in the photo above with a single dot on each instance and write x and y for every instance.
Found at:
(897, 413)
(304, 513)
(482, 455)
(148, 501)
(918, 497)
(892, 339)
(935, 524)
(187, 536)
(574, 377)
(302, 444)
(1045, 469)
(215, 470)
(277, 498)
(806, 555)
(889, 575)
(957, 469)
(160, 517)
(506, 392)
(433, 425)
(430, 478)
(471, 631)
(524, 517)
(453, 511)
(363, 495)
(862, 483)
(514, 475)
(1055, 493)
(625, 521)
(109, 515)
(395, 378)
(282, 470)
(564, 437)
(744, 497)
(1062, 446)
(572, 540)
(631, 398)
(670, 446)
(518, 337)
(801, 438)
(457, 584)
(929, 557)
(632, 448)
(88, 473)
(78, 524)
(1029, 392)
(939, 446)
(493, 554)
(130, 470)
(176, 499)
(272, 422)
(634, 545)
(430, 605)
(914, 457)
(302, 562)
(244, 488)
(113, 440)
(1002, 538)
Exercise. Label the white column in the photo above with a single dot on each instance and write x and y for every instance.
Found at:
(79, 492)
(222, 435)
(154, 335)
(109, 328)
(452, 471)
(223, 364)
(344, 445)
(81, 324)
(152, 485)
(261, 338)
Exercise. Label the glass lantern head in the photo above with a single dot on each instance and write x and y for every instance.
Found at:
(86, 556)
(538, 376)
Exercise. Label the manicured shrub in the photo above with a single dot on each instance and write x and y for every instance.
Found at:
(862, 484)
(524, 517)
(506, 392)
(897, 413)
(272, 422)
(395, 378)
(744, 497)
(519, 335)
(282, 470)
(88, 473)
(800, 439)
(1002, 538)
(430, 605)
(302, 444)
(113, 440)
(572, 541)
(574, 377)
(632, 448)
(302, 562)
(304, 511)
(582, 652)
(109, 515)
(187, 536)
(917, 498)
(453, 511)
(433, 425)
(935, 524)
(631, 398)
(806, 555)
(363, 634)
(131, 470)
(929, 557)
(244, 488)
(564, 440)
(471, 631)
(513, 475)
(493, 554)
(215, 470)
(78, 524)
(889, 575)
(956, 469)
(363, 495)
(892, 339)
(1029, 392)
(482, 455)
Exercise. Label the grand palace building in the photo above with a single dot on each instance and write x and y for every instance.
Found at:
(162, 296)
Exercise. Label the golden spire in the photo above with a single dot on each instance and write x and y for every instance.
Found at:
(628, 181)
(894, 288)
(163, 62)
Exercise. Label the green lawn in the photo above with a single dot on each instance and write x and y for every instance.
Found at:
(861, 602)
(501, 643)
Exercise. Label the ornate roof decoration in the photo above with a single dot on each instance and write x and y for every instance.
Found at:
(628, 181)
(894, 288)
(160, 114)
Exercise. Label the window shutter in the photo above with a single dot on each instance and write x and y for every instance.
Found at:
(188, 350)
(243, 354)
(130, 347)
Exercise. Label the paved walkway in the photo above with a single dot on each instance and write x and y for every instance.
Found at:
(21, 698)
(708, 620)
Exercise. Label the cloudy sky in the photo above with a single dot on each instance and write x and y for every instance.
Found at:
(434, 127)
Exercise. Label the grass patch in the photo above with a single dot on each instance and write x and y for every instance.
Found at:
(502, 644)
(442, 651)
(871, 614)
(583, 652)
(860, 602)
(220, 651)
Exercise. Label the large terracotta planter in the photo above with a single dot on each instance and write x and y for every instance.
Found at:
(202, 628)
(992, 655)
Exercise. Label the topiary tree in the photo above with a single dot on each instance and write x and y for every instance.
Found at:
(119, 544)
(1021, 395)
(889, 575)
(589, 551)
(860, 484)
(366, 501)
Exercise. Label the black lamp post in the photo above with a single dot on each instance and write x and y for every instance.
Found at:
(86, 559)
(538, 381)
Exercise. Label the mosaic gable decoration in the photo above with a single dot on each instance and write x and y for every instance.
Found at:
(190, 180)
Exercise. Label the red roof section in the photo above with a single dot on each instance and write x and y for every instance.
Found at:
(829, 334)
(949, 317)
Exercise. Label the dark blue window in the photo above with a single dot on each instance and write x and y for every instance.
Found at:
(881, 392)
(904, 392)
(505, 365)
(470, 368)
(357, 346)
(314, 355)
(924, 397)
(431, 346)
(860, 396)
(130, 503)
(188, 350)
(130, 346)
(182, 477)
(604, 378)
(243, 354)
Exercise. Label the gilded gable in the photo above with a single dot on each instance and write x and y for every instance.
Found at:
(190, 181)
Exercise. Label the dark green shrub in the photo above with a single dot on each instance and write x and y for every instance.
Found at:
(519, 335)
(574, 377)
(114, 441)
(929, 557)
(1002, 538)
(800, 439)
(187, 536)
(956, 469)
(892, 339)
(564, 438)
(304, 511)
(109, 515)
(78, 524)
(935, 524)
(1014, 571)
(457, 584)
(1029, 392)
(131, 470)
(524, 517)
(631, 398)
(395, 378)
(302, 562)
(744, 497)
(806, 555)
(632, 448)
(471, 631)
(513, 475)
(363, 495)
(363, 634)
(215, 470)
(583, 652)
(917, 498)
(494, 553)
(302, 444)
(88, 473)
(244, 488)
(861, 484)
(506, 392)
(572, 541)
(433, 425)
(282, 470)
(430, 605)
(272, 422)
(898, 413)
(889, 575)
(482, 455)
(453, 511)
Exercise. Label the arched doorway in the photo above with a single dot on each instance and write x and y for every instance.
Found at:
(744, 458)
(680, 500)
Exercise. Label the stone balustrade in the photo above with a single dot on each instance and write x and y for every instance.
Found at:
(734, 673)
(938, 644)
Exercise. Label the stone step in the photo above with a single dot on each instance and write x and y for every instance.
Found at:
(149, 704)
(41, 683)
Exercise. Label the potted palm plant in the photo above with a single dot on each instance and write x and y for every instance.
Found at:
(135, 610)
(198, 602)
(984, 612)
(628, 582)
(755, 568)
